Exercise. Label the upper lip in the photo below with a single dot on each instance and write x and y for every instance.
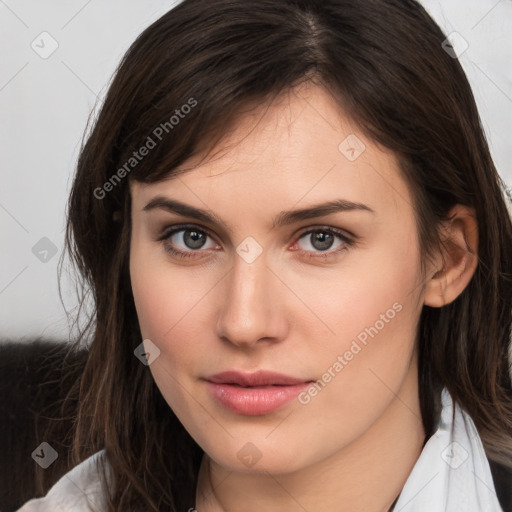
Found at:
(259, 378)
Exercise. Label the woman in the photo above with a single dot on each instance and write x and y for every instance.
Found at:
(301, 258)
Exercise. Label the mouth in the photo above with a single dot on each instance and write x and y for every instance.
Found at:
(254, 387)
(259, 378)
(254, 394)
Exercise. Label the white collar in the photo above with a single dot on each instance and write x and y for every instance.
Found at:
(452, 473)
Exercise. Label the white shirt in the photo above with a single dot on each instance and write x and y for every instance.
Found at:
(452, 474)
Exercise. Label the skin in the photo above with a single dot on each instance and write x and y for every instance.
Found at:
(354, 444)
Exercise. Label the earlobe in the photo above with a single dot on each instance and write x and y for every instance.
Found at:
(458, 261)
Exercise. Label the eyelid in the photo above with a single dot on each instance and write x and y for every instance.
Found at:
(340, 232)
(170, 230)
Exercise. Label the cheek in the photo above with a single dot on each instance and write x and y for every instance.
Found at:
(171, 305)
(160, 298)
(372, 294)
(167, 312)
(371, 307)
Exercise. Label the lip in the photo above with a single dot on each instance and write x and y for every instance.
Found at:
(254, 394)
(259, 378)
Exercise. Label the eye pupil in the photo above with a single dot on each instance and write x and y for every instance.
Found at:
(324, 239)
(194, 239)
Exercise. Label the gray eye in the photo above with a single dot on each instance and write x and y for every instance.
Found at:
(320, 240)
(190, 239)
(193, 239)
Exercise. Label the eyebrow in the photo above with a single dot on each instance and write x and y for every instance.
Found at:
(284, 218)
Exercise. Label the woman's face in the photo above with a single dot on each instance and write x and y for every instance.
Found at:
(257, 290)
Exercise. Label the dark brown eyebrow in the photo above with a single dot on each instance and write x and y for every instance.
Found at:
(284, 218)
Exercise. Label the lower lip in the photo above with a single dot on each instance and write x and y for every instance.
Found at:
(254, 401)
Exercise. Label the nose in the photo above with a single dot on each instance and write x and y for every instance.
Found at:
(252, 305)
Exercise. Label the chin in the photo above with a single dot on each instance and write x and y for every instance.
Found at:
(259, 456)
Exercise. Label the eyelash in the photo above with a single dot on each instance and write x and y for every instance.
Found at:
(347, 242)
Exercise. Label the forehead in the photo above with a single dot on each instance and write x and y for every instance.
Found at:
(300, 149)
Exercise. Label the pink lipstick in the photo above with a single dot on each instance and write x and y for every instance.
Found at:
(254, 394)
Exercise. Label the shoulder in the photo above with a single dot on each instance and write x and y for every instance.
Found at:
(80, 490)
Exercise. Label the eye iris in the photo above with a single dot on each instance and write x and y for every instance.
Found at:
(194, 239)
(322, 240)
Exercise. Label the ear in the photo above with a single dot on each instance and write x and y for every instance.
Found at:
(455, 265)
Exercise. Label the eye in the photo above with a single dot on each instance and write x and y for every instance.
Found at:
(184, 241)
(320, 241)
(188, 242)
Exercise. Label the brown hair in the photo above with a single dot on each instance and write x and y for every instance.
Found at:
(383, 62)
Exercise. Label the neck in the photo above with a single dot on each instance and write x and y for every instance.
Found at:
(368, 474)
